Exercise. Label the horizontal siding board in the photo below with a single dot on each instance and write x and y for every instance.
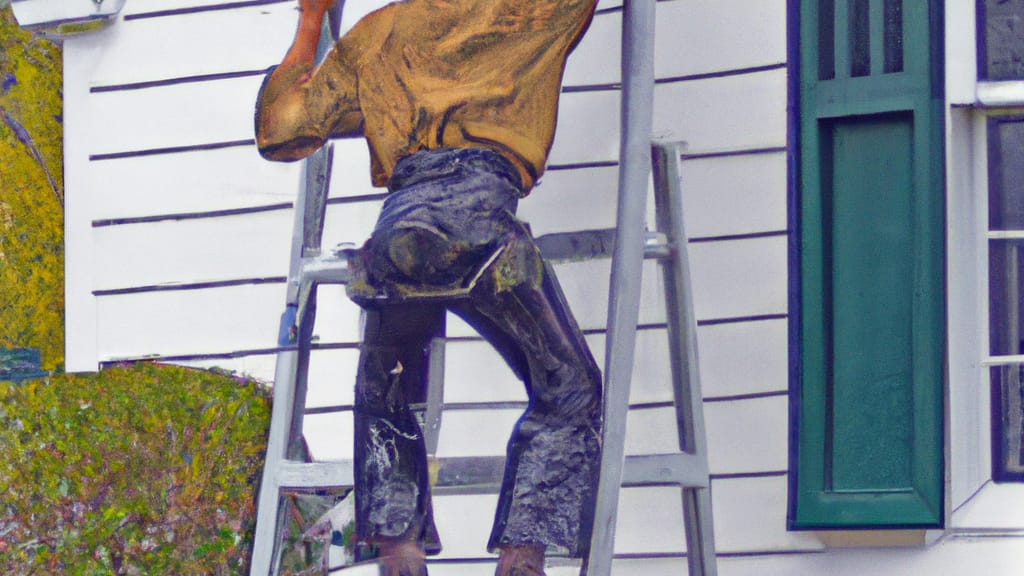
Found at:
(350, 223)
(188, 183)
(338, 319)
(748, 436)
(133, 8)
(732, 279)
(207, 42)
(588, 195)
(750, 516)
(350, 170)
(734, 195)
(222, 111)
(588, 128)
(758, 446)
(596, 59)
(329, 436)
(188, 322)
(744, 358)
(332, 378)
(249, 246)
(476, 432)
(475, 372)
(210, 321)
(172, 116)
(749, 111)
(739, 278)
(691, 37)
(744, 436)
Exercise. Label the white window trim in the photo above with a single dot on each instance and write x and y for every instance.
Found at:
(975, 504)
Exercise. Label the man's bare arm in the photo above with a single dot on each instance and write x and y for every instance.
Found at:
(289, 125)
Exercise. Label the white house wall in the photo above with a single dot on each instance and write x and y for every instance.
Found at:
(178, 244)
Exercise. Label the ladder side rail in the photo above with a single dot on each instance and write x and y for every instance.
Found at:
(286, 411)
(682, 334)
(311, 210)
(627, 261)
(269, 512)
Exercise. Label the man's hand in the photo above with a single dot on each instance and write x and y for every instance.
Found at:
(318, 7)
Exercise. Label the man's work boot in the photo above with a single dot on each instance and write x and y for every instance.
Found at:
(401, 558)
(523, 560)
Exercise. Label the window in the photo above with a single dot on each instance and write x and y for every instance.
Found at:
(1006, 322)
(868, 318)
(1001, 42)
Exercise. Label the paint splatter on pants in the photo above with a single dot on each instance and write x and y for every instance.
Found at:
(447, 239)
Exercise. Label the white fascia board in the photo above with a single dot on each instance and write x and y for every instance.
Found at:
(64, 17)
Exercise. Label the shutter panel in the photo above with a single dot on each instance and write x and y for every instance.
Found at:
(870, 310)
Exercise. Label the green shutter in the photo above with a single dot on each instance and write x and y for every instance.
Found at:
(868, 411)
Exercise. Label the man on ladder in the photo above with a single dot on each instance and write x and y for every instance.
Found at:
(457, 100)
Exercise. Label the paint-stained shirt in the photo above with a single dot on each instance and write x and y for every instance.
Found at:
(427, 74)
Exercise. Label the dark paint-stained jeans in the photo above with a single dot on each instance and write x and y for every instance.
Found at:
(447, 238)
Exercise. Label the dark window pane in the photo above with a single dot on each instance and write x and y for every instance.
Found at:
(1008, 423)
(826, 39)
(1006, 173)
(893, 36)
(1006, 264)
(1002, 45)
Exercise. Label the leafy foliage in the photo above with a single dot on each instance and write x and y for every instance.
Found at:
(143, 469)
(31, 193)
(135, 470)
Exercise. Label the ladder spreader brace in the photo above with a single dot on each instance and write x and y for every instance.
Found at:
(287, 465)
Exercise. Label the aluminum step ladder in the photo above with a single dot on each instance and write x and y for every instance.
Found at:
(287, 466)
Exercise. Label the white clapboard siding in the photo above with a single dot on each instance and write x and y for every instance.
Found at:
(224, 319)
(246, 38)
(484, 432)
(698, 37)
(743, 358)
(171, 116)
(732, 279)
(750, 517)
(475, 373)
(169, 322)
(587, 195)
(177, 251)
(723, 113)
(734, 195)
(181, 234)
(739, 278)
(189, 183)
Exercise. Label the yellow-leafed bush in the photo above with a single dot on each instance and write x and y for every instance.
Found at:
(143, 469)
(135, 470)
(31, 193)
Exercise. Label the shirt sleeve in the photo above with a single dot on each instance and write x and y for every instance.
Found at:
(298, 110)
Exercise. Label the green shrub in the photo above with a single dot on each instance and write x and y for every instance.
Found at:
(31, 194)
(135, 470)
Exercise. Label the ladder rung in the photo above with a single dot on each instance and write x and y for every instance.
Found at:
(327, 269)
(310, 475)
(590, 244)
(684, 469)
(454, 475)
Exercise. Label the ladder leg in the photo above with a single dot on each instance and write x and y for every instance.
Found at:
(269, 512)
(700, 542)
(624, 305)
(682, 333)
